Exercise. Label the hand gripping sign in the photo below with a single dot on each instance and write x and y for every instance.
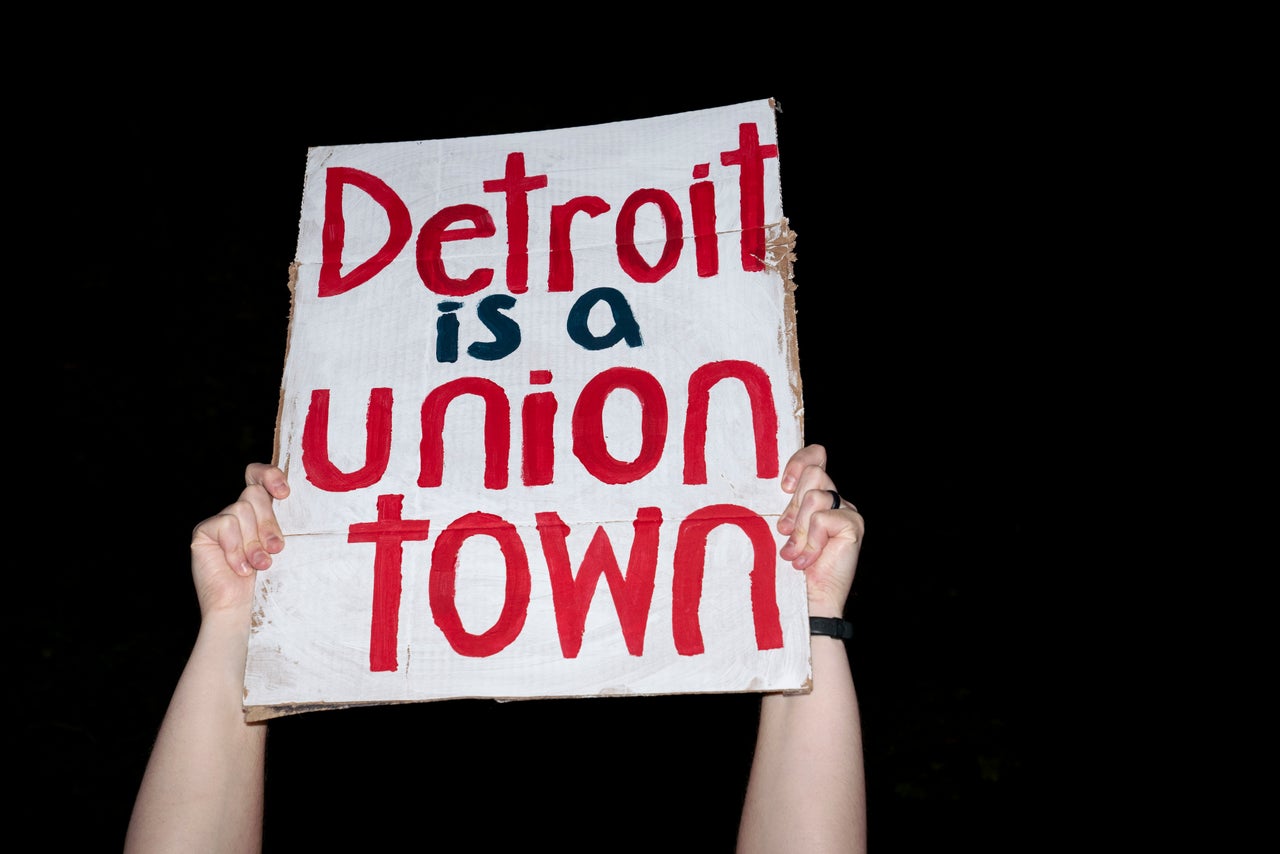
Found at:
(537, 395)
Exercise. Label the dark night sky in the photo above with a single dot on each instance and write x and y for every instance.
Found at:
(919, 358)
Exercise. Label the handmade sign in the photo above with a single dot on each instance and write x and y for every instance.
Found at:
(538, 391)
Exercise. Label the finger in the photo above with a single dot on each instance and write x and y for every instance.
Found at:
(809, 455)
(817, 499)
(811, 477)
(804, 548)
(264, 483)
(828, 556)
(246, 532)
(829, 559)
(226, 531)
(269, 477)
(810, 504)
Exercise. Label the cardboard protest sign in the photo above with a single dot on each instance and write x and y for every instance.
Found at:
(538, 391)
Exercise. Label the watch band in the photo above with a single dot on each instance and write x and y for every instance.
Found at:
(831, 627)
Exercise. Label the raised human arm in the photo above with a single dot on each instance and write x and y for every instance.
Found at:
(202, 790)
(807, 788)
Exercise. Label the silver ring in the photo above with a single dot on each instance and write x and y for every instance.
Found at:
(835, 499)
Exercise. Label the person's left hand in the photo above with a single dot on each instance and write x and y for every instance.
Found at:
(228, 549)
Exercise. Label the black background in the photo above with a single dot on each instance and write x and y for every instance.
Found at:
(923, 282)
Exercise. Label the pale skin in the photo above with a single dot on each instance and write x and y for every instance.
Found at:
(203, 787)
(807, 790)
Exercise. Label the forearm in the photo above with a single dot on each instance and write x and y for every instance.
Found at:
(807, 788)
(203, 787)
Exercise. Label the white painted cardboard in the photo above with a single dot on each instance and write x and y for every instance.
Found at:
(475, 614)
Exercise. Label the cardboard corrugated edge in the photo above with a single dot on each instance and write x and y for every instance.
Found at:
(288, 339)
(781, 248)
(254, 714)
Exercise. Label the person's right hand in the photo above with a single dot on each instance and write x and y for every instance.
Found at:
(228, 549)
(824, 538)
